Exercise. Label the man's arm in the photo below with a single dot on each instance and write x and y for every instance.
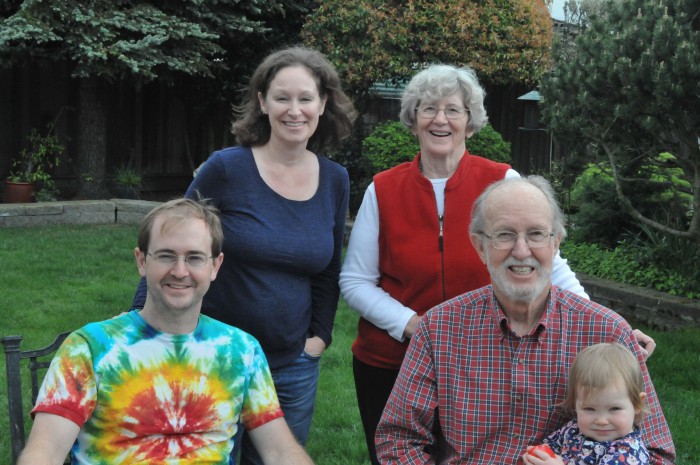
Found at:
(276, 444)
(405, 432)
(49, 441)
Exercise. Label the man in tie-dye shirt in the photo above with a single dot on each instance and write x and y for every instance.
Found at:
(164, 385)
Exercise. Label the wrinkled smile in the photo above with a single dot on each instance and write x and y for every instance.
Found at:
(521, 269)
(440, 133)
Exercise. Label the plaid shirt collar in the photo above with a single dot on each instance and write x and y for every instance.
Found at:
(502, 327)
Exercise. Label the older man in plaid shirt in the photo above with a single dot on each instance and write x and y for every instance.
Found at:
(485, 371)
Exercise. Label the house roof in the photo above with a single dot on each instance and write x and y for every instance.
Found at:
(533, 95)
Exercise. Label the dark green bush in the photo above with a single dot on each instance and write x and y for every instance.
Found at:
(597, 215)
(489, 144)
(391, 143)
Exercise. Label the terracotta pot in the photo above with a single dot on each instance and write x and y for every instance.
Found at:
(18, 192)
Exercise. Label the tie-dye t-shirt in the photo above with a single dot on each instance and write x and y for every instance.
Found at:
(142, 396)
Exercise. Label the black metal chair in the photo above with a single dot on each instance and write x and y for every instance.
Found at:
(38, 359)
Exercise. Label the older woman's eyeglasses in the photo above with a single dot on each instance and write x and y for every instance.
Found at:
(506, 239)
(451, 112)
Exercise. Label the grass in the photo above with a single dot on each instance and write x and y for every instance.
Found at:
(58, 278)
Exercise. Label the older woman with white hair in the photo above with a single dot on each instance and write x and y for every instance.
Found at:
(409, 249)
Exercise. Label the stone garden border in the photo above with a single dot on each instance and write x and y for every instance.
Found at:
(121, 211)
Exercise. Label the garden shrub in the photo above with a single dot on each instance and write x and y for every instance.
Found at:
(677, 197)
(627, 264)
(488, 143)
(597, 215)
(389, 144)
(605, 241)
(675, 256)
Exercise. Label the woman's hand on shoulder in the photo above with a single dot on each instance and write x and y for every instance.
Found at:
(646, 343)
(411, 326)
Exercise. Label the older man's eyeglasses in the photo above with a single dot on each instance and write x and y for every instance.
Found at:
(451, 112)
(193, 260)
(506, 239)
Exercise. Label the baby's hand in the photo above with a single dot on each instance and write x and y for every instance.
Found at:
(541, 455)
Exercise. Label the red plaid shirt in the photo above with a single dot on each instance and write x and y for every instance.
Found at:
(496, 393)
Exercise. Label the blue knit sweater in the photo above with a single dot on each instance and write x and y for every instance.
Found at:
(279, 278)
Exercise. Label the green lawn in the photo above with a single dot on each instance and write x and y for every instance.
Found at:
(59, 278)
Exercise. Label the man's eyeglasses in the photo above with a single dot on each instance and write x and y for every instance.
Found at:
(506, 239)
(194, 260)
(451, 112)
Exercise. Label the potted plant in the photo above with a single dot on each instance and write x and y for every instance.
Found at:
(127, 182)
(32, 167)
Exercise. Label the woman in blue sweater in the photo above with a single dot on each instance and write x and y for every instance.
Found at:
(283, 209)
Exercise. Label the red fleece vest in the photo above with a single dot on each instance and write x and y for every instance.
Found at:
(414, 267)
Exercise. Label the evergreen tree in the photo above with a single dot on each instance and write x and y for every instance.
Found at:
(630, 92)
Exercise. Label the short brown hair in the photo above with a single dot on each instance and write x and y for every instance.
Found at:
(335, 124)
(179, 210)
(600, 365)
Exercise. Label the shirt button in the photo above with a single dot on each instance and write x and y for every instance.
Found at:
(519, 398)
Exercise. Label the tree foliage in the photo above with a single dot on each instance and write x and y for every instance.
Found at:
(389, 144)
(106, 41)
(129, 38)
(488, 143)
(504, 41)
(598, 216)
(631, 92)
